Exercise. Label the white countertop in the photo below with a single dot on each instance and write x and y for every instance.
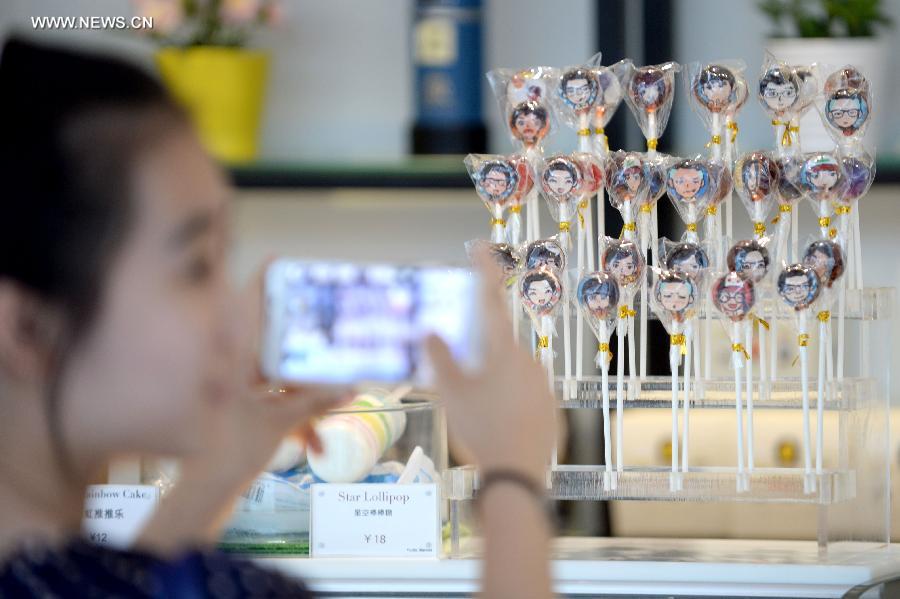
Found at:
(590, 566)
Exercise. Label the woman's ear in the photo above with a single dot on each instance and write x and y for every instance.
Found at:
(28, 330)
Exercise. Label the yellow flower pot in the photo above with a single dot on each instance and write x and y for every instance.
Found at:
(223, 89)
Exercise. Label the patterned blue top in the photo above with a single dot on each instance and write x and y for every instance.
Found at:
(80, 569)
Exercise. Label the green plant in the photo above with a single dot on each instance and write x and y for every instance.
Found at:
(824, 18)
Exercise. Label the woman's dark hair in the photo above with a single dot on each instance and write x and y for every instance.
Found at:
(540, 275)
(73, 125)
(529, 107)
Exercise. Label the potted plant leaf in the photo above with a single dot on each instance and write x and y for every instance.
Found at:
(204, 60)
(832, 33)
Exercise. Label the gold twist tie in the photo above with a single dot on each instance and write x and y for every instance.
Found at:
(715, 139)
(739, 348)
(692, 227)
(825, 221)
(628, 227)
(824, 316)
(604, 349)
(564, 227)
(803, 340)
(599, 131)
(679, 340)
(842, 209)
(625, 312)
(543, 342)
(652, 143)
(759, 228)
(733, 127)
(583, 204)
(516, 209)
(584, 132)
(712, 210)
(761, 322)
(645, 208)
(786, 208)
(832, 233)
(498, 221)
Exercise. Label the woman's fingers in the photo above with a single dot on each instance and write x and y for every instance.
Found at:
(447, 372)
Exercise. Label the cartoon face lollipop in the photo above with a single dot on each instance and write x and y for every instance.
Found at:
(826, 258)
(859, 172)
(591, 172)
(721, 176)
(578, 89)
(758, 177)
(655, 174)
(561, 178)
(529, 122)
(545, 253)
(847, 110)
(779, 90)
(676, 293)
(541, 290)
(625, 178)
(714, 87)
(798, 286)
(687, 258)
(789, 190)
(733, 296)
(822, 178)
(598, 296)
(624, 261)
(528, 85)
(688, 182)
(749, 259)
(503, 255)
(495, 181)
(525, 177)
(649, 88)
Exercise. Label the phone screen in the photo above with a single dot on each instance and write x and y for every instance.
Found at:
(344, 323)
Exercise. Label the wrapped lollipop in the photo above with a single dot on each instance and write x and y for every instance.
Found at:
(547, 253)
(505, 256)
(779, 95)
(496, 180)
(518, 198)
(524, 98)
(598, 298)
(673, 300)
(626, 182)
(714, 89)
(798, 286)
(720, 173)
(690, 187)
(576, 95)
(655, 175)
(789, 193)
(541, 290)
(592, 181)
(809, 91)
(756, 181)
(561, 183)
(649, 92)
(623, 260)
(742, 92)
(608, 99)
(847, 108)
(734, 297)
(823, 182)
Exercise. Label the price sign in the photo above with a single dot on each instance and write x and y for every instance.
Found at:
(115, 514)
(375, 520)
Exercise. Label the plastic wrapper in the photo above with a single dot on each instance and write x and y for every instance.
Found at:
(674, 297)
(609, 96)
(846, 76)
(847, 108)
(591, 171)
(716, 90)
(859, 170)
(823, 182)
(798, 286)
(525, 100)
(691, 187)
(756, 181)
(686, 257)
(649, 92)
(577, 93)
(624, 261)
(503, 255)
(809, 87)
(826, 258)
(598, 299)
(544, 253)
(750, 259)
(541, 290)
(519, 198)
(778, 90)
(733, 296)
(626, 183)
(496, 181)
(561, 184)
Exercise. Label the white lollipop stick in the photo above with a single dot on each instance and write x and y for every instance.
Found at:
(748, 346)
(686, 423)
(651, 139)
(579, 316)
(498, 226)
(589, 234)
(584, 132)
(546, 345)
(737, 363)
(717, 134)
(820, 396)
(857, 246)
(674, 360)
(795, 241)
(604, 390)
(601, 214)
(729, 204)
(567, 349)
(695, 358)
(809, 483)
(620, 391)
(762, 333)
(645, 309)
(633, 384)
(842, 299)
(773, 353)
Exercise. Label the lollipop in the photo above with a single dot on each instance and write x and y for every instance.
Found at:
(649, 93)
(798, 286)
(609, 97)
(623, 260)
(779, 95)
(541, 290)
(848, 76)
(690, 188)
(524, 99)
(714, 89)
(689, 259)
(749, 259)
(756, 180)
(546, 253)
(496, 180)
(626, 184)
(561, 182)
(734, 297)
(598, 298)
(823, 182)
(576, 94)
(529, 123)
(846, 113)
(519, 197)
(826, 258)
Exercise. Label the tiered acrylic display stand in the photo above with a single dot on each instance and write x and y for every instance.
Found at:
(852, 492)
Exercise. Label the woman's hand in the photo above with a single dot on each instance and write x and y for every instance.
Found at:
(503, 413)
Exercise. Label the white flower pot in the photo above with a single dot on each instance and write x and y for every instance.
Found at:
(870, 55)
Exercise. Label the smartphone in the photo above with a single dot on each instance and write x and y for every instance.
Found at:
(343, 324)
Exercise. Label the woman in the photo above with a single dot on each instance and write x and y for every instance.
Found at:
(120, 335)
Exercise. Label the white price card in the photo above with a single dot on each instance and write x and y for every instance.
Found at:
(374, 520)
(115, 514)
